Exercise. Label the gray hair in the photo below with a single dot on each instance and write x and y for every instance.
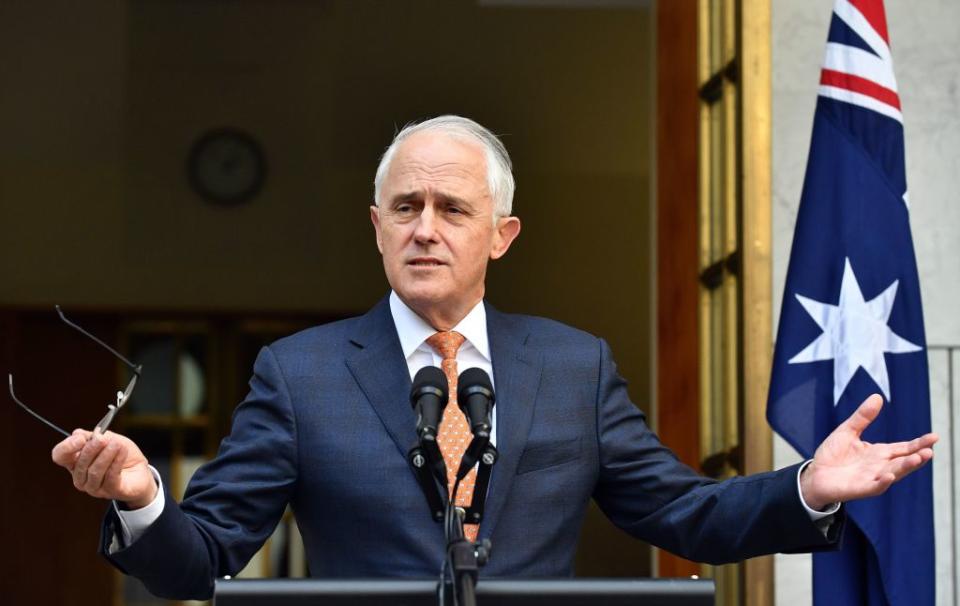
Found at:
(499, 167)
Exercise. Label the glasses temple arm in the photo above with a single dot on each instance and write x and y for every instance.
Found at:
(136, 368)
(27, 408)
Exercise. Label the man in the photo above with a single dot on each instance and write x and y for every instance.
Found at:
(327, 424)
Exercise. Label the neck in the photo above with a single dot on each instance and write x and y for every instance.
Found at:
(443, 318)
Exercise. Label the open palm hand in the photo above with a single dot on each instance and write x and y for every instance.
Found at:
(846, 468)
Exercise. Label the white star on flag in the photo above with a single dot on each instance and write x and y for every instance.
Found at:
(855, 334)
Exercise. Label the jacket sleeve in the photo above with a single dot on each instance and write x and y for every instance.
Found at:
(646, 491)
(232, 504)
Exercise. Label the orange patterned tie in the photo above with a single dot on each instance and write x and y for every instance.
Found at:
(454, 434)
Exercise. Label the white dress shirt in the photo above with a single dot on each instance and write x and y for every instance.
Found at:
(413, 332)
(474, 353)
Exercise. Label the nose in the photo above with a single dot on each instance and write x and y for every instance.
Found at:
(426, 230)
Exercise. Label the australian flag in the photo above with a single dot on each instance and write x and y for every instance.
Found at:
(851, 323)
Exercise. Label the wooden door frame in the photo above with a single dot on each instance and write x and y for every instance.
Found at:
(756, 117)
(677, 382)
(677, 296)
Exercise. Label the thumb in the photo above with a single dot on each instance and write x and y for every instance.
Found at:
(864, 415)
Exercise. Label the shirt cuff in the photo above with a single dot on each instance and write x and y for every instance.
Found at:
(822, 519)
(814, 514)
(135, 522)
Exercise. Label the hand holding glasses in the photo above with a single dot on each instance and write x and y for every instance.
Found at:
(103, 464)
(112, 409)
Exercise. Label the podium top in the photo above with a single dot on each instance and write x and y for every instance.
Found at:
(490, 592)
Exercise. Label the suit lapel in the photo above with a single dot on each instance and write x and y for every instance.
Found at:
(516, 375)
(381, 371)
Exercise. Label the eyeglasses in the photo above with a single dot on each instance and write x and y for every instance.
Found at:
(112, 409)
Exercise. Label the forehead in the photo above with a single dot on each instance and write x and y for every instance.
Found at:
(437, 160)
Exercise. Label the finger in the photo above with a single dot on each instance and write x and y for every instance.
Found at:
(65, 452)
(111, 479)
(98, 468)
(901, 449)
(908, 464)
(90, 451)
(864, 415)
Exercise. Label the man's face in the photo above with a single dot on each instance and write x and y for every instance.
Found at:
(435, 226)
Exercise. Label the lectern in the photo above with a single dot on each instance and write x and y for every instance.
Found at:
(490, 592)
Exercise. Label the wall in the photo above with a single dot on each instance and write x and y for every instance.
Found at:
(101, 105)
(61, 154)
(924, 40)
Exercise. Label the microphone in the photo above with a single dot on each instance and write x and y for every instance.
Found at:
(429, 396)
(475, 398)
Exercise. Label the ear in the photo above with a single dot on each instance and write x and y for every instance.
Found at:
(507, 230)
(375, 219)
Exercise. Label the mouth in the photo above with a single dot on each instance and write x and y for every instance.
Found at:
(425, 262)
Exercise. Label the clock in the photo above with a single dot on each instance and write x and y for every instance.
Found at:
(226, 166)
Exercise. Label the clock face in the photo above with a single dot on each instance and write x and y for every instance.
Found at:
(226, 166)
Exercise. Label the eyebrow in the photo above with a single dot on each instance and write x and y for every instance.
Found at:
(404, 197)
(445, 198)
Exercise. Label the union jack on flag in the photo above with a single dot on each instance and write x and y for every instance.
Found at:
(858, 68)
(851, 323)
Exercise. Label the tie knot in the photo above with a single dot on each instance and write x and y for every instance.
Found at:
(446, 343)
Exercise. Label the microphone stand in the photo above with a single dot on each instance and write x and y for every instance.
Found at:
(431, 472)
(463, 558)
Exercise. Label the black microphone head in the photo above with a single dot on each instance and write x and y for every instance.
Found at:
(473, 381)
(429, 380)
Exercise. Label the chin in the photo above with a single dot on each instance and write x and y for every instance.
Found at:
(424, 299)
(424, 294)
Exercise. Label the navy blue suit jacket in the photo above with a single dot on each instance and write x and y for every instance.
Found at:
(327, 425)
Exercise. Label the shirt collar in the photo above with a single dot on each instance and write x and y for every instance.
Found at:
(414, 330)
